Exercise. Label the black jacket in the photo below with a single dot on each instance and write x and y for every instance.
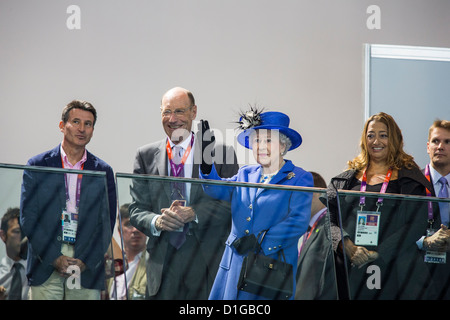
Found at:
(402, 223)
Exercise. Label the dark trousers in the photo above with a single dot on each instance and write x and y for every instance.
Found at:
(185, 274)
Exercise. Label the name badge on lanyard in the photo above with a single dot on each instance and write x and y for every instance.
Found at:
(368, 222)
(432, 256)
(69, 216)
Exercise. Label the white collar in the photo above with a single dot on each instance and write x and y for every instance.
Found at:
(435, 176)
(184, 144)
(10, 262)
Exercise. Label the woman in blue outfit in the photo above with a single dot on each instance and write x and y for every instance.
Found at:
(285, 214)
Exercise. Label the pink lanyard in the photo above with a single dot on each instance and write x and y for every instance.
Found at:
(362, 200)
(176, 168)
(430, 204)
(78, 188)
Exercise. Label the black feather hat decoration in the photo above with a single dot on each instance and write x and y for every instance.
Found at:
(250, 119)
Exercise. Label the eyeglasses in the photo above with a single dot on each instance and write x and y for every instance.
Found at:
(176, 112)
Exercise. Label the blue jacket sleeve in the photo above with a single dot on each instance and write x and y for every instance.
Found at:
(220, 192)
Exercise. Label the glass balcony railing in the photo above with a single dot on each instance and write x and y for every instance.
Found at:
(350, 252)
(384, 255)
(56, 242)
(224, 212)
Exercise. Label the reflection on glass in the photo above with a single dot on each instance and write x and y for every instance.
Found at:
(147, 194)
(130, 263)
(391, 237)
(66, 247)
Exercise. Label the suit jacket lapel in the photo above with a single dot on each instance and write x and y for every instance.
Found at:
(314, 233)
(54, 160)
(86, 183)
(161, 159)
(254, 177)
(282, 174)
(306, 244)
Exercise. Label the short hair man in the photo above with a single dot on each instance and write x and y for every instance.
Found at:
(48, 199)
(12, 266)
(438, 172)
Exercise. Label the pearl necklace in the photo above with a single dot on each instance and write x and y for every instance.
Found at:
(265, 178)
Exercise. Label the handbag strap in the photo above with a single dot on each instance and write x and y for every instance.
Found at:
(257, 248)
(262, 234)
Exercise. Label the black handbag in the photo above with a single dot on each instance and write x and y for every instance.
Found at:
(265, 276)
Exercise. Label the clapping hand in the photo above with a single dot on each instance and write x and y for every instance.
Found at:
(362, 256)
(439, 241)
(175, 217)
(359, 256)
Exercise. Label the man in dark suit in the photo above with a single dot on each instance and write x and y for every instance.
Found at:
(316, 278)
(184, 270)
(68, 218)
(438, 236)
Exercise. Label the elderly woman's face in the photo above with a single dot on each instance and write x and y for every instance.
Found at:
(267, 148)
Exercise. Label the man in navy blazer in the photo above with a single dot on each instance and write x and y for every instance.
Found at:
(48, 195)
(437, 172)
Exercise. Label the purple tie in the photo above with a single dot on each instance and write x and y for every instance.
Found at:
(444, 206)
(178, 188)
(178, 193)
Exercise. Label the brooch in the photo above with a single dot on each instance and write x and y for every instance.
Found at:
(290, 175)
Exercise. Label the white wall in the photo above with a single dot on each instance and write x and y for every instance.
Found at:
(302, 57)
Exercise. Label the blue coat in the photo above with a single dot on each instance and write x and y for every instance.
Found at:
(42, 202)
(285, 213)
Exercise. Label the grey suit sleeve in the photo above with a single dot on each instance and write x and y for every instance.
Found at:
(141, 209)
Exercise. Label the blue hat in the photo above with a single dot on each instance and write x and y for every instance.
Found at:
(271, 120)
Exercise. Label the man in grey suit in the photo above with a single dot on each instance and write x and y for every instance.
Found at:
(315, 270)
(161, 209)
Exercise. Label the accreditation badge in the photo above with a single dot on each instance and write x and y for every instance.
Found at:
(367, 228)
(434, 256)
(69, 221)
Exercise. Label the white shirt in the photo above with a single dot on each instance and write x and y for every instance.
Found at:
(437, 186)
(435, 176)
(6, 274)
(72, 178)
(189, 164)
(188, 167)
(120, 280)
